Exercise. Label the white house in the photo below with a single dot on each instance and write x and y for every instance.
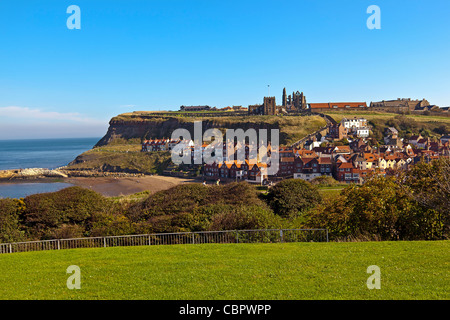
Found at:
(362, 132)
(354, 123)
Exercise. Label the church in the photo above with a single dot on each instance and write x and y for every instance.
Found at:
(294, 103)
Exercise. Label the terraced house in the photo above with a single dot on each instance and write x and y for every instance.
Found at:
(238, 171)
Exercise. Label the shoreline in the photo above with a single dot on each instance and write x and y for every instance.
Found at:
(109, 186)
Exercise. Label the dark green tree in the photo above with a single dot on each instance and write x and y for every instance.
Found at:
(292, 196)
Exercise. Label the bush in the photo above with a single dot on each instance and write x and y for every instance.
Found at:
(324, 181)
(380, 208)
(245, 218)
(175, 200)
(293, 196)
(110, 224)
(187, 198)
(10, 210)
(46, 212)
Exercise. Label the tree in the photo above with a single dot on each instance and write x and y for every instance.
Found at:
(292, 196)
(381, 208)
(429, 185)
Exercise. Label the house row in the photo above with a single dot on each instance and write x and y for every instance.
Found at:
(351, 163)
(160, 144)
(303, 164)
(357, 127)
(236, 170)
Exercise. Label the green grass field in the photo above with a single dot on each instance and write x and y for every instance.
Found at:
(330, 192)
(409, 270)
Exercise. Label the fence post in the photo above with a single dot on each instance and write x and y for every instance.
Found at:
(327, 234)
(193, 240)
(10, 248)
(281, 235)
(104, 242)
(59, 244)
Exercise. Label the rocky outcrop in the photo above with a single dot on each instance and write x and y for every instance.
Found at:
(31, 173)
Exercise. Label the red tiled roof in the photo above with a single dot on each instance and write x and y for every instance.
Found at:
(345, 165)
(306, 153)
(306, 160)
(370, 157)
(330, 105)
(325, 160)
(343, 148)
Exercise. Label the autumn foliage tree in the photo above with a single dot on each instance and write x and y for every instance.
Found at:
(381, 208)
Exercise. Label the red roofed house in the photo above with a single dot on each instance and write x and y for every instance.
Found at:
(306, 168)
(346, 172)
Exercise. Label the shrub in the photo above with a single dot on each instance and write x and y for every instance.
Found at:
(10, 210)
(110, 224)
(292, 196)
(380, 208)
(190, 197)
(175, 200)
(67, 231)
(324, 181)
(47, 212)
(245, 217)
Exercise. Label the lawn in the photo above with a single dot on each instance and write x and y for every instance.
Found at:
(409, 270)
(330, 192)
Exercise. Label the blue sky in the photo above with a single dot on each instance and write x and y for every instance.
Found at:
(158, 55)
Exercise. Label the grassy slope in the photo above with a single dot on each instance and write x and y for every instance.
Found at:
(329, 193)
(380, 119)
(369, 115)
(409, 270)
(127, 157)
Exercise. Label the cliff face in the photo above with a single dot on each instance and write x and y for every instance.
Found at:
(163, 128)
(135, 129)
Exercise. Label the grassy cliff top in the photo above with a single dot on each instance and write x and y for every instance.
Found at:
(292, 128)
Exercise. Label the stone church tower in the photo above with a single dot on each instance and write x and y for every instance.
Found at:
(284, 103)
(295, 102)
(270, 107)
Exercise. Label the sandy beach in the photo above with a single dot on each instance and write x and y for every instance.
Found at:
(112, 186)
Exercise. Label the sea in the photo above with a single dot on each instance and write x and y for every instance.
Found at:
(39, 153)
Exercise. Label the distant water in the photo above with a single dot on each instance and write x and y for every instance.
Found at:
(38, 153)
(21, 190)
(42, 153)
